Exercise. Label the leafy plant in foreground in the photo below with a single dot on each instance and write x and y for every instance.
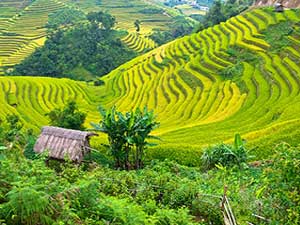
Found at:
(225, 154)
(127, 134)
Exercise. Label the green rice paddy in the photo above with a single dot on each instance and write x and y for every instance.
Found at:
(183, 83)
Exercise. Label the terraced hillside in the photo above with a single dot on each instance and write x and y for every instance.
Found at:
(139, 43)
(31, 98)
(184, 82)
(126, 12)
(23, 29)
(236, 77)
(22, 24)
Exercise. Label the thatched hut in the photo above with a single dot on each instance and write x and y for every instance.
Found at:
(63, 143)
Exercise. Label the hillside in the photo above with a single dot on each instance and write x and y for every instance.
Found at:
(31, 98)
(22, 28)
(184, 82)
(22, 23)
(236, 77)
(126, 12)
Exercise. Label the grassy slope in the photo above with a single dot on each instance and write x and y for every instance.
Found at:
(181, 81)
(31, 98)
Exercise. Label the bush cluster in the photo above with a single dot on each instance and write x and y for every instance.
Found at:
(161, 193)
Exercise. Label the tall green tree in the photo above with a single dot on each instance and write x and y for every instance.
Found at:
(102, 19)
(137, 25)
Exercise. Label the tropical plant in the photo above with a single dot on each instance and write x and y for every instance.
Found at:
(127, 134)
(225, 154)
(28, 206)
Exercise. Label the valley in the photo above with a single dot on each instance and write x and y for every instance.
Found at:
(188, 96)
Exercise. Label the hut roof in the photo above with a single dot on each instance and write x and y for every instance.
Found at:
(62, 142)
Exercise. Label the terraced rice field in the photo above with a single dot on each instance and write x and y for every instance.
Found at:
(196, 106)
(126, 12)
(182, 82)
(31, 98)
(138, 42)
(22, 24)
(22, 30)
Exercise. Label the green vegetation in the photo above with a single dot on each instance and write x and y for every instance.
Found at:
(22, 29)
(183, 81)
(179, 28)
(102, 19)
(65, 17)
(277, 35)
(127, 134)
(225, 155)
(86, 46)
(139, 43)
(10, 130)
(137, 25)
(221, 11)
(161, 193)
(68, 117)
(236, 77)
(126, 12)
(24, 24)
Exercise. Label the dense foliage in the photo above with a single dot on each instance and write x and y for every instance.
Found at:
(220, 11)
(162, 193)
(127, 135)
(68, 117)
(10, 130)
(82, 51)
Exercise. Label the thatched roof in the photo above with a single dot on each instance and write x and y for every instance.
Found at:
(63, 143)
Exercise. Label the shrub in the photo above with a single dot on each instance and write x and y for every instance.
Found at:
(68, 117)
(281, 185)
(99, 82)
(170, 216)
(225, 154)
(27, 206)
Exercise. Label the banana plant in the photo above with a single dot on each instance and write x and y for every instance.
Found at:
(127, 134)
